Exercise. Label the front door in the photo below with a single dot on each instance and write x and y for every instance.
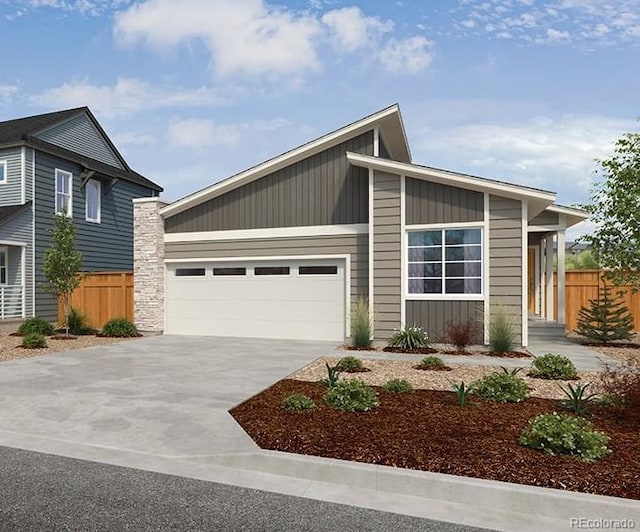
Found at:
(531, 278)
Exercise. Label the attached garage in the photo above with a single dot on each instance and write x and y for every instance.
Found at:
(291, 299)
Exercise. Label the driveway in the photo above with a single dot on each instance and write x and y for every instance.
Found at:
(165, 396)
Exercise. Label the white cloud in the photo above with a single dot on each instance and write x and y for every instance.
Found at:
(127, 95)
(84, 7)
(411, 55)
(555, 36)
(7, 92)
(131, 138)
(469, 23)
(351, 29)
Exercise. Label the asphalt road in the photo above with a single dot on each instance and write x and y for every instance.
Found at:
(45, 492)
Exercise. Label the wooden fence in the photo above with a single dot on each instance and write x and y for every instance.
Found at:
(103, 296)
(583, 285)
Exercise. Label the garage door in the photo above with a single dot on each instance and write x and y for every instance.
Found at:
(271, 299)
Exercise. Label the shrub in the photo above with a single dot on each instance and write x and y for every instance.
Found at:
(298, 402)
(462, 392)
(398, 386)
(576, 397)
(555, 367)
(34, 340)
(36, 325)
(409, 338)
(78, 323)
(605, 319)
(461, 335)
(432, 363)
(562, 434)
(119, 328)
(333, 376)
(349, 364)
(502, 337)
(620, 385)
(352, 395)
(502, 388)
(361, 325)
(513, 371)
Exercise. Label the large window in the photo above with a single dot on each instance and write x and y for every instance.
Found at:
(445, 262)
(64, 183)
(92, 201)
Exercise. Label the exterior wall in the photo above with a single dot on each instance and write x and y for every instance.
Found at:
(433, 316)
(29, 155)
(505, 258)
(107, 246)
(19, 229)
(546, 218)
(11, 191)
(81, 136)
(382, 149)
(323, 189)
(148, 265)
(387, 242)
(432, 203)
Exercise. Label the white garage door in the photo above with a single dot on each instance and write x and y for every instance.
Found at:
(272, 299)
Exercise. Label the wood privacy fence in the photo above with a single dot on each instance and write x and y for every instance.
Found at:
(102, 296)
(583, 285)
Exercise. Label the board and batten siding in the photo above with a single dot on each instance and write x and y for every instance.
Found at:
(356, 246)
(80, 135)
(433, 203)
(387, 242)
(505, 258)
(19, 229)
(107, 246)
(11, 191)
(434, 316)
(323, 189)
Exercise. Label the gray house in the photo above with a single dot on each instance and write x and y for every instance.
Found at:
(284, 249)
(53, 163)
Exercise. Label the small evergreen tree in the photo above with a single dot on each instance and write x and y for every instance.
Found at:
(62, 262)
(605, 319)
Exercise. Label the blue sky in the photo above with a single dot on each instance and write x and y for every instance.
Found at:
(191, 91)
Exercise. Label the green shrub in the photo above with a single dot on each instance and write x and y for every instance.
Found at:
(36, 325)
(562, 434)
(349, 364)
(332, 378)
(78, 323)
(119, 328)
(352, 395)
(502, 388)
(361, 325)
(461, 335)
(576, 397)
(553, 367)
(34, 340)
(502, 337)
(398, 386)
(462, 392)
(432, 363)
(298, 402)
(409, 338)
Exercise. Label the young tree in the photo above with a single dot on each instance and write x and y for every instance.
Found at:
(62, 262)
(605, 319)
(615, 213)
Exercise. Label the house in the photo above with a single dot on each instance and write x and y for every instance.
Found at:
(53, 163)
(284, 249)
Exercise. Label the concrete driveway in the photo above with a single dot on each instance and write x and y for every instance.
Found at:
(165, 396)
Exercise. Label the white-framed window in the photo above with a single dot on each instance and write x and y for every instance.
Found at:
(3, 172)
(445, 263)
(93, 201)
(4, 264)
(64, 192)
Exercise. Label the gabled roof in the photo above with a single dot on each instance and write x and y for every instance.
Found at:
(572, 216)
(388, 121)
(25, 131)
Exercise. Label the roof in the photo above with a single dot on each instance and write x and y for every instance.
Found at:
(572, 215)
(24, 130)
(9, 211)
(388, 121)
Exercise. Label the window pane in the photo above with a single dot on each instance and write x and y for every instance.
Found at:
(229, 271)
(62, 182)
(3, 172)
(425, 238)
(425, 254)
(93, 199)
(463, 269)
(318, 270)
(3, 275)
(458, 253)
(462, 236)
(189, 272)
(3, 259)
(463, 286)
(62, 203)
(425, 269)
(271, 270)
(425, 286)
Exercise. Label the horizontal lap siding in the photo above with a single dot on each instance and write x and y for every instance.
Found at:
(432, 203)
(356, 246)
(545, 218)
(11, 191)
(387, 241)
(19, 229)
(505, 258)
(433, 316)
(323, 189)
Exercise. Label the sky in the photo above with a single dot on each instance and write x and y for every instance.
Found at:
(192, 91)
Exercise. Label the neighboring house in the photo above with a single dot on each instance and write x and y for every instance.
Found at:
(53, 163)
(284, 249)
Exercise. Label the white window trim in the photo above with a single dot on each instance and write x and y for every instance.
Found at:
(3, 163)
(445, 297)
(5, 250)
(69, 176)
(96, 220)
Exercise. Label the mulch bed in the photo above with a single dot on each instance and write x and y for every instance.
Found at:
(624, 345)
(432, 368)
(427, 431)
(418, 351)
(507, 354)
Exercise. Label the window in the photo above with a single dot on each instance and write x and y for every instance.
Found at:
(92, 190)
(271, 270)
(190, 272)
(229, 271)
(3, 171)
(445, 262)
(318, 270)
(64, 199)
(4, 257)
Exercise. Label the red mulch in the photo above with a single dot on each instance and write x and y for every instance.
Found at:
(506, 354)
(458, 353)
(354, 348)
(427, 431)
(625, 345)
(418, 351)
(432, 368)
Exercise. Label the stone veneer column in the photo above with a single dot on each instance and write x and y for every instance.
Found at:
(148, 264)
